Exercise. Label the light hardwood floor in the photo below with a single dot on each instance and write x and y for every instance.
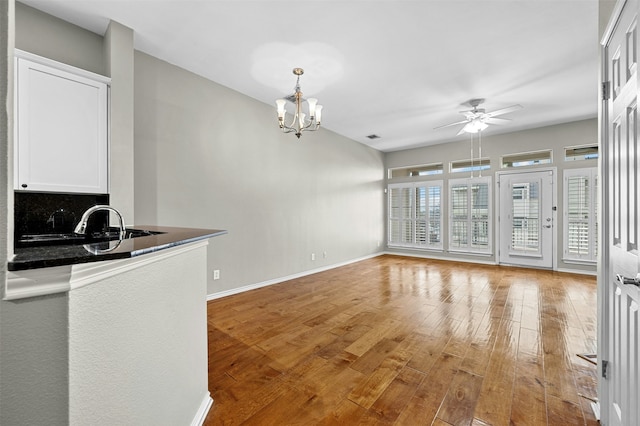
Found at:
(406, 341)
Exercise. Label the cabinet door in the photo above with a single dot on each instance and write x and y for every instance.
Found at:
(61, 130)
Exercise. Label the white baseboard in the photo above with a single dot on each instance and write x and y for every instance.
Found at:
(242, 289)
(482, 262)
(478, 260)
(578, 271)
(203, 410)
(249, 287)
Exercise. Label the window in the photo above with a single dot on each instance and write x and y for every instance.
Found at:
(580, 215)
(477, 164)
(524, 159)
(422, 170)
(470, 215)
(415, 218)
(576, 153)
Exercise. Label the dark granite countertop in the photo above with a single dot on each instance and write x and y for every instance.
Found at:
(58, 255)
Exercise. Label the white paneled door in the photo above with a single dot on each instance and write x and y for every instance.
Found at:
(619, 294)
(527, 218)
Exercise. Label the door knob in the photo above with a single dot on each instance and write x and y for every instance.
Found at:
(626, 280)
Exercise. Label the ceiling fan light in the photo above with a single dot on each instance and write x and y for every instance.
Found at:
(475, 126)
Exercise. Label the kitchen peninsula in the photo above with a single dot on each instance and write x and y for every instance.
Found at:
(131, 347)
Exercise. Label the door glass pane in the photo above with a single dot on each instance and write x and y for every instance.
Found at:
(525, 220)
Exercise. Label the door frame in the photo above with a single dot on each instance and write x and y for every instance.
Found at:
(554, 212)
(603, 404)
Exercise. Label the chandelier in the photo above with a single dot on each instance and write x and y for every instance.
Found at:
(301, 122)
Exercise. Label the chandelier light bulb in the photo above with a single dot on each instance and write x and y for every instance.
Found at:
(312, 106)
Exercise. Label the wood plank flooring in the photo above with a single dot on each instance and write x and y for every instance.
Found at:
(406, 341)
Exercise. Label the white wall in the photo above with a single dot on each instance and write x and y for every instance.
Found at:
(44, 35)
(209, 157)
(33, 333)
(33, 355)
(555, 137)
(138, 343)
(118, 64)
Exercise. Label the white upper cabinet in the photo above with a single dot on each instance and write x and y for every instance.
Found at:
(62, 127)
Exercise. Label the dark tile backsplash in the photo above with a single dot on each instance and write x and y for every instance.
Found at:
(50, 213)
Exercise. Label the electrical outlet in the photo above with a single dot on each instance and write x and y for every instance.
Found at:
(313, 256)
(216, 274)
(324, 254)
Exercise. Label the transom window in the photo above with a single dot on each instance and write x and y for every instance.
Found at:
(477, 164)
(413, 171)
(524, 159)
(577, 153)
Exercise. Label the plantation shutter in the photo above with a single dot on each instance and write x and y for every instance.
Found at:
(400, 215)
(470, 214)
(581, 224)
(414, 214)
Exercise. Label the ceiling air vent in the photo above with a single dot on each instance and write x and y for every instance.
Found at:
(374, 136)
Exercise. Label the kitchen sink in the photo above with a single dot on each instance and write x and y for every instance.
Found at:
(30, 240)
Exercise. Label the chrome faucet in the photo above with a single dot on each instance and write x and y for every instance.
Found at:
(81, 227)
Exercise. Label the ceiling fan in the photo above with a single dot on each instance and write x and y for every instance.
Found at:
(477, 119)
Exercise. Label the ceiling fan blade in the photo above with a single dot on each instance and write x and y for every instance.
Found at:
(451, 124)
(491, 120)
(461, 131)
(504, 110)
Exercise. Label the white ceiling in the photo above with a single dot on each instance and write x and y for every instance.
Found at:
(392, 68)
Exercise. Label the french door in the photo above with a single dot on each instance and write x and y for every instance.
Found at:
(618, 279)
(526, 219)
